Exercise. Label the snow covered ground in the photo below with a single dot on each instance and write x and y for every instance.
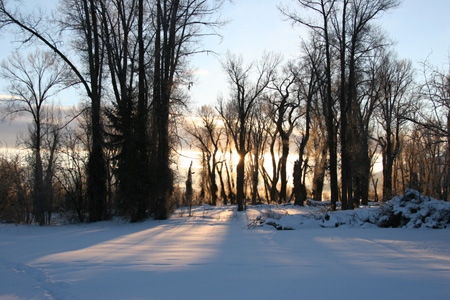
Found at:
(219, 253)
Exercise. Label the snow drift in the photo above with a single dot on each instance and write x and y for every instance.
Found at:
(411, 210)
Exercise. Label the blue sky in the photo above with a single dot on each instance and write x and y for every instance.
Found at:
(420, 28)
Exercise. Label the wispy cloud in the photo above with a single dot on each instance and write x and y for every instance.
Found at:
(5, 97)
(15, 127)
(201, 72)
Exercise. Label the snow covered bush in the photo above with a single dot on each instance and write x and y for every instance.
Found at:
(411, 210)
(414, 210)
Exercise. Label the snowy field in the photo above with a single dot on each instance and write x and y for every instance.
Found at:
(219, 253)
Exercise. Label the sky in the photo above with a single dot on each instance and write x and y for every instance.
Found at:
(420, 28)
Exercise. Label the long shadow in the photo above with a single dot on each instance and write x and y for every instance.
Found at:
(147, 243)
(212, 255)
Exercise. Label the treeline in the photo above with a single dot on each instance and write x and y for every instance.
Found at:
(345, 100)
(130, 58)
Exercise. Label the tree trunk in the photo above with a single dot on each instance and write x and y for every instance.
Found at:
(319, 176)
(160, 116)
(38, 190)
(329, 120)
(332, 151)
(223, 194)
(275, 174)
(365, 176)
(299, 187)
(240, 180)
(142, 176)
(283, 169)
(387, 176)
(49, 173)
(346, 161)
(212, 179)
(96, 182)
(96, 170)
(345, 106)
(255, 179)
(231, 195)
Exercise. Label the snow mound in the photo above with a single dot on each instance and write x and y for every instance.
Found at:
(414, 210)
(411, 210)
(272, 218)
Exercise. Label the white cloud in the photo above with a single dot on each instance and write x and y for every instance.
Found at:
(5, 97)
(201, 72)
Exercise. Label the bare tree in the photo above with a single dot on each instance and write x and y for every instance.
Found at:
(435, 95)
(15, 205)
(271, 180)
(237, 111)
(355, 36)
(394, 79)
(32, 82)
(284, 105)
(127, 40)
(225, 166)
(325, 9)
(318, 149)
(71, 173)
(259, 140)
(208, 134)
(307, 94)
(80, 17)
(177, 26)
(347, 37)
(51, 144)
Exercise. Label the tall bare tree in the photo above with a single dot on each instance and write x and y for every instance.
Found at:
(178, 25)
(32, 82)
(271, 180)
(284, 105)
(318, 149)
(394, 80)
(259, 137)
(81, 17)
(307, 94)
(237, 111)
(126, 33)
(354, 32)
(347, 36)
(435, 95)
(325, 9)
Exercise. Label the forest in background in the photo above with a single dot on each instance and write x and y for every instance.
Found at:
(345, 101)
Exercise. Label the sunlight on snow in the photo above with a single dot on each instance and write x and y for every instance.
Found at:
(389, 256)
(156, 249)
(416, 249)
